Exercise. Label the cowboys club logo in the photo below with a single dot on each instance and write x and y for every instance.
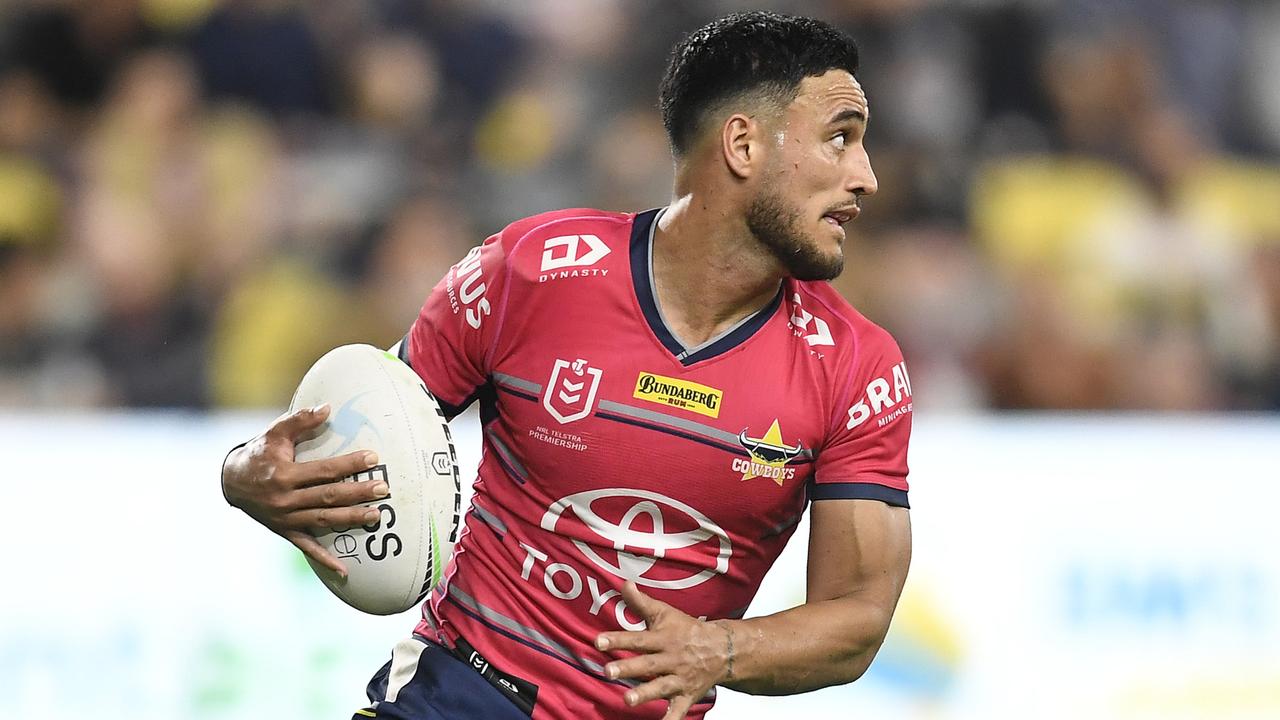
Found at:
(571, 395)
(769, 456)
(661, 512)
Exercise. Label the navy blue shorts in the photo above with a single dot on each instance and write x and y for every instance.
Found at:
(424, 681)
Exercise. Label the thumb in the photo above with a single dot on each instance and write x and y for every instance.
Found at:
(648, 608)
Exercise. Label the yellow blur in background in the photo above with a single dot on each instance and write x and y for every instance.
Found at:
(197, 197)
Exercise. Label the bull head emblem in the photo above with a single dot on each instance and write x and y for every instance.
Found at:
(770, 449)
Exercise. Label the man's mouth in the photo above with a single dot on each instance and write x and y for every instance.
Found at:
(842, 215)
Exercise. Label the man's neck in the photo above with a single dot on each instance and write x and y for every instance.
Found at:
(709, 272)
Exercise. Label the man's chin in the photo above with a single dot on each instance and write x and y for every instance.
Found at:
(816, 266)
(802, 254)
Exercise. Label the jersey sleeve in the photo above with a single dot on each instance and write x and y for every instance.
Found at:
(450, 344)
(866, 456)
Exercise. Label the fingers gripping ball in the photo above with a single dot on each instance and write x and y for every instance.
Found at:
(378, 403)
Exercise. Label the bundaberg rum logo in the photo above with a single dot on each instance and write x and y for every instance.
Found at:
(678, 393)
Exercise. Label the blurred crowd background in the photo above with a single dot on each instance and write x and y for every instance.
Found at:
(1079, 201)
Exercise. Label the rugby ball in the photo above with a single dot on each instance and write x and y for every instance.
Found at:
(378, 403)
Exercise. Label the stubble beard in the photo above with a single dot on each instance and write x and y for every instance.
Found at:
(778, 228)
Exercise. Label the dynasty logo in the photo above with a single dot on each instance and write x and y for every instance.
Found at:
(681, 394)
(769, 456)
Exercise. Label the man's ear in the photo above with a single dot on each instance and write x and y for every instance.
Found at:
(741, 145)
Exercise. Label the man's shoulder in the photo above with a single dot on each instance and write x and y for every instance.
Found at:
(555, 222)
(575, 243)
(816, 306)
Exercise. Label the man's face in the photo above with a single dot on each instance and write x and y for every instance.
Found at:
(817, 170)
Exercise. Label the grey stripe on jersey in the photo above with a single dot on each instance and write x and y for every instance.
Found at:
(516, 382)
(618, 408)
(497, 618)
(528, 633)
(685, 424)
(782, 527)
(488, 518)
(629, 411)
(512, 461)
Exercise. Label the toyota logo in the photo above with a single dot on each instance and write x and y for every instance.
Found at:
(661, 513)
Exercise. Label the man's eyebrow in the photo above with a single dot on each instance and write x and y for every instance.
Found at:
(849, 114)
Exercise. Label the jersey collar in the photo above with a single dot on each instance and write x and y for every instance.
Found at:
(642, 230)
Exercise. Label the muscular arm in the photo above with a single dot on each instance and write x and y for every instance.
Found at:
(859, 552)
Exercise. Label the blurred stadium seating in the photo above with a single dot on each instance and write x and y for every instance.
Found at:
(1078, 205)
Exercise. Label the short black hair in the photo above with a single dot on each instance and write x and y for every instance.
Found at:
(746, 52)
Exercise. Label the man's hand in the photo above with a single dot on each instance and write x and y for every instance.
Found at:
(681, 657)
(291, 498)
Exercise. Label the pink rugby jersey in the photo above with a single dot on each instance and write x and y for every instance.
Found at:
(614, 452)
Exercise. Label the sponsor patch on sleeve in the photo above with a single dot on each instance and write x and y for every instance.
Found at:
(889, 392)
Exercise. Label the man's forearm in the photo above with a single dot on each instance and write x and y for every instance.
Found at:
(815, 645)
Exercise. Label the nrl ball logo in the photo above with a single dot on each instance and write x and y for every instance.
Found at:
(571, 391)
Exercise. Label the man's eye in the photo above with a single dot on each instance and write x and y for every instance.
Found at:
(839, 140)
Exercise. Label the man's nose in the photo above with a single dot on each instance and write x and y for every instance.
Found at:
(862, 179)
